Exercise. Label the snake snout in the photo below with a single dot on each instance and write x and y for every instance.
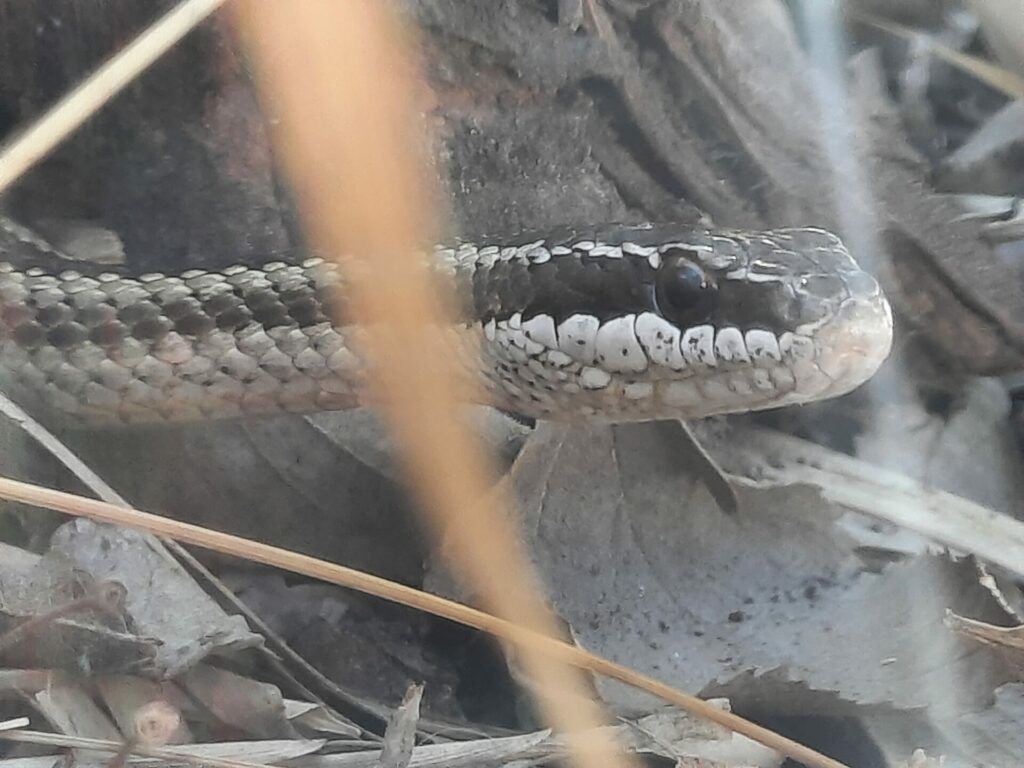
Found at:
(858, 340)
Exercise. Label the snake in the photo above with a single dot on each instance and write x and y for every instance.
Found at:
(616, 323)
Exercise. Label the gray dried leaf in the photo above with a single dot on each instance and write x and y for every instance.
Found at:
(647, 570)
(163, 601)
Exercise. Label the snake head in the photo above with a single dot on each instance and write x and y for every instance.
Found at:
(641, 324)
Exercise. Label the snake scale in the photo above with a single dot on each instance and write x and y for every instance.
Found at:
(612, 324)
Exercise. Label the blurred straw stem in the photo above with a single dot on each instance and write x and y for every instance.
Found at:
(340, 80)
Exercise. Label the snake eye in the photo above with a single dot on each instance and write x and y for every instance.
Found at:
(684, 292)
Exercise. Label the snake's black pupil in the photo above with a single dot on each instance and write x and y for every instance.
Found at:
(685, 294)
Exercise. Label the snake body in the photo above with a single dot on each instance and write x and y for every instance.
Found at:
(620, 324)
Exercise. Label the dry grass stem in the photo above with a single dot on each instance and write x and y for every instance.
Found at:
(96, 90)
(105, 745)
(266, 554)
(340, 81)
(991, 74)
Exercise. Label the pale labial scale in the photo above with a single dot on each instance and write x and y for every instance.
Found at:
(606, 251)
(762, 345)
(798, 351)
(660, 340)
(698, 346)
(729, 346)
(795, 347)
(539, 256)
(541, 329)
(617, 348)
(643, 251)
(577, 335)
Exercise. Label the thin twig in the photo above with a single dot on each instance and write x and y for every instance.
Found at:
(83, 102)
(343, 82)
(106, 745)
(305, 565)
(986, 72)
(61, 452)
